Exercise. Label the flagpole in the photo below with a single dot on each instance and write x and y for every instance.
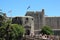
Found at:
(28, 7)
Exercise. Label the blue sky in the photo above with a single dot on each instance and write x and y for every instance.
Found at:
(19, 7)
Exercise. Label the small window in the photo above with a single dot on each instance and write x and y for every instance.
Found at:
(32, 18)
(26, 18)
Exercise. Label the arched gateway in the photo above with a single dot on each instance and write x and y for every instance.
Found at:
(27, 30)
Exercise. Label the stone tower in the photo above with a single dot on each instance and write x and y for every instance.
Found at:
(39, 19)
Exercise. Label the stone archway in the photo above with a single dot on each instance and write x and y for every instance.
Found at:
(27, 30)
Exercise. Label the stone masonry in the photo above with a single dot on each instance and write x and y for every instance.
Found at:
(40, 20)
(27, 22)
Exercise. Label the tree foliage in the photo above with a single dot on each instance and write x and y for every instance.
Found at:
(1, 20)
(47, 30)
(10, 31)
(17, 29)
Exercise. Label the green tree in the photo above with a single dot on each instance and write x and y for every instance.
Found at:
(47, 30)
(1, 20)
(17, 31)
(11, 31)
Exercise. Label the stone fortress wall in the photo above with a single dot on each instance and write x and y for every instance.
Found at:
(36, 20)
(40, 20)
